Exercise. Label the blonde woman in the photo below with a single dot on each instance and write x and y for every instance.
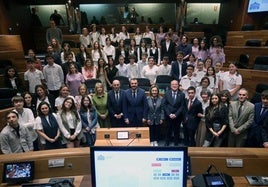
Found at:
(100, 102)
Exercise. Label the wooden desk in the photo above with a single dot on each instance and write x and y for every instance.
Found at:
(143, 140)
(77, 161)
(82, 181)
(129, 142)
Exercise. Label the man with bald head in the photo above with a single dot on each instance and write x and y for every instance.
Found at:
(174, 107)
(115, 105)
(241, 117)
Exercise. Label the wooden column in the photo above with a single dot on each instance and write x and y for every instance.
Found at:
(4, 19)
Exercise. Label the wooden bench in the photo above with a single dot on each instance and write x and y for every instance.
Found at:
(77, 161)
(239, 38)
(232, 53)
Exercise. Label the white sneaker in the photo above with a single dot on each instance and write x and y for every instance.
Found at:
(152, 143)
(155, 143)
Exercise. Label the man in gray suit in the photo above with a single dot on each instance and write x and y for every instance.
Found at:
(241, 116)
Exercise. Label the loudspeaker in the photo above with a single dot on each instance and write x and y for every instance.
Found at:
(212, 180)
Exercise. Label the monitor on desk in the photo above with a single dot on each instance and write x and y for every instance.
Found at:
(18, 172)
(139, 166)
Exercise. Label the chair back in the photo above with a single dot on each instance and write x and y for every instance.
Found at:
(243, 61)
(261, 63)
(253, 43)
(144, 83)
(91, 85)
(257, 95)
(124, 82)
(6, 96)
(163, 82)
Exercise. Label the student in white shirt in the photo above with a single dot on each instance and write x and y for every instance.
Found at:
(122, 67)
(188, 79)
(165, 67)
(132, 67)
(109, 49)
(150, 71)
(141, 63)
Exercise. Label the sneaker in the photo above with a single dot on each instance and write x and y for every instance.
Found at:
(152, 143)
(155, 143)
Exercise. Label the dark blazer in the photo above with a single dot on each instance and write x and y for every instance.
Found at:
(115, 107)
(170, 52)
(81, 59)
(19, 84)
(264, 132)
(177, 107)
(258, 117)
(191, 118)
(186, 49)
(155, 113)
(118, 53)
(254, 138)
(51, 100)
(175, 70)
(135, 107)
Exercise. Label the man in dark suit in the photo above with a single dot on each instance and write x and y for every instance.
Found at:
(168, 48)
(241, 117)
(178, 67)
(192, 117)
(115, 105)
(174, 107)
(260, 115)
(135, 105)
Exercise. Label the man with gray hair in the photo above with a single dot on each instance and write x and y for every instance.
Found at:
(241, 117)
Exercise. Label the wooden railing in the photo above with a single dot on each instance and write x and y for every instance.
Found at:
(77, 161)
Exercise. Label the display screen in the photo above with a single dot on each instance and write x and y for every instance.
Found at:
(18, 172)
(257, 6)
(214, 180)
(139, 166)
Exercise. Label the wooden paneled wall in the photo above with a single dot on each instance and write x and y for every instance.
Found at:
(11, 49)
(239, 38)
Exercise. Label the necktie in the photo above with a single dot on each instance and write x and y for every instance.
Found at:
(263, 110)
(240, 109)
(117, 96)
(174, 97)
(190, 104)
(134, 94)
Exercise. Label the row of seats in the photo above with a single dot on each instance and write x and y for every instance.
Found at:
(251, 27)
(255, 43)
(260, 63)
(126, 42)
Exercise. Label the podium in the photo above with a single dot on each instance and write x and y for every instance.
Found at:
(131, 136)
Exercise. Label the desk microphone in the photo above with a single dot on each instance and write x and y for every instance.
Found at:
(109, 140)
(132, 141)
(208, 170)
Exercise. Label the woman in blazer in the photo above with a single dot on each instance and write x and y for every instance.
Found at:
(155, 114)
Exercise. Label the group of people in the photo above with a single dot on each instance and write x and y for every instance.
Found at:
(195, 107)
